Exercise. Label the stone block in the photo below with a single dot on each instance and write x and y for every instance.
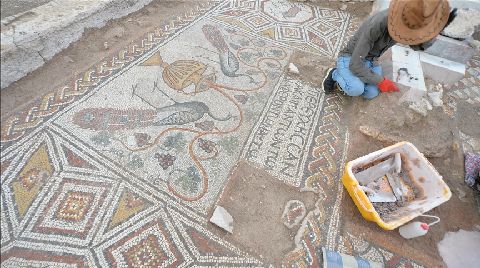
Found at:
(451, 49)
(464, 24)
(385, 61)
(411, 95)
(402, 65)
(441, 70)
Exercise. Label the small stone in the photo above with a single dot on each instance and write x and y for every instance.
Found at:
(343, 7)
(472, 42)
(105, 45)
(67, 58)
(293, 69)
(222, 219)
(378, 135)
(412, 95)
(462, 195)
(455, 146)
(435, 98)
(131, 141)
(427, 104)
(420, 109)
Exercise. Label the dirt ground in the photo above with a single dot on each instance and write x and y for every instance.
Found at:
(256, 201)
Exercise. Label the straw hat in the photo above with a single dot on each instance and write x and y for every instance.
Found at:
(412, 22)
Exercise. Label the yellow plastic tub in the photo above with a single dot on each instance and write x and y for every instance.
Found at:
(435, 190)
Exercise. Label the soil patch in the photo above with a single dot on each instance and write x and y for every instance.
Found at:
(311, 67)
(256, 201)
(470, 113)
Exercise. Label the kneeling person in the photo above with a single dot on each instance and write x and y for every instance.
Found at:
(411, 22)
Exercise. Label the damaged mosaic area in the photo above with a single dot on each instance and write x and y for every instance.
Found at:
(122, 166)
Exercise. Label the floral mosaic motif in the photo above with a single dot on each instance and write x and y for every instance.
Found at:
(179, 109)
(35, 172)
(129, 205)
(102, 138)
(134, 161)
(129, 159)
(153, 244)
(241, 98)
(176, 141)
(206, 145)
(142, 139)
(165, 160)
(188, 180)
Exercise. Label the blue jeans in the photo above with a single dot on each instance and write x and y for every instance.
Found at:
(352, 85)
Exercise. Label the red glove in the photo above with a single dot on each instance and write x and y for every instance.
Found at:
(387, 86)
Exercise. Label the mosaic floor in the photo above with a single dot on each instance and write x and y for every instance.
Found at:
(122, 166)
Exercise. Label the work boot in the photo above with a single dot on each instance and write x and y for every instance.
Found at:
(328, 82)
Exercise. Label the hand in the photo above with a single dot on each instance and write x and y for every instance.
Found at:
(387, 86)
